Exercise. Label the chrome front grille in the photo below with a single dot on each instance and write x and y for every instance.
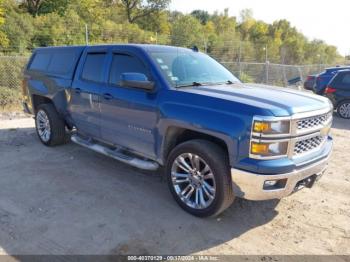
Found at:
(313, 122)
(307, 145)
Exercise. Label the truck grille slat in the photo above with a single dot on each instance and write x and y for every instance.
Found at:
(309, 144)
(313, 122)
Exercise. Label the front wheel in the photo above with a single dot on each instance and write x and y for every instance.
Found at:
(199, 178)
(343, 109)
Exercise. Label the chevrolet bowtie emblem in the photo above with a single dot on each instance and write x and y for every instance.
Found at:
(325, 131)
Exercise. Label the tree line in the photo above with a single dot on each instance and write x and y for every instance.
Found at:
(26, 24)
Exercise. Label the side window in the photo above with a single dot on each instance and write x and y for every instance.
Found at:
(40, 61)
(93, 67)
(346, 80)
(62, 63)
(125, 64)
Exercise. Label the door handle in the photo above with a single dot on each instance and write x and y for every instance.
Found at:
(107, 96)
(77, 90)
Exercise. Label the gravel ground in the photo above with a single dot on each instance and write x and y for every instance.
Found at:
(70, 200)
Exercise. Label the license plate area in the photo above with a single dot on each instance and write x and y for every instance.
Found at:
(307, 182)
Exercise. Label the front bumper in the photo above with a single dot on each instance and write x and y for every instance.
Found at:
(250, 185)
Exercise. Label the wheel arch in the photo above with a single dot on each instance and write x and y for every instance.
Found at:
(175, 135)
(37, 100)
(341, 101)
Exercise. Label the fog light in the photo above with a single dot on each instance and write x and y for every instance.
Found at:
(269, 183)
(275, 184)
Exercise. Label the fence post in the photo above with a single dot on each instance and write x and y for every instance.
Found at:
(239, 59)
(301, 76)
(285, 80)
(267, 65)
(267, 71)
(86, 35)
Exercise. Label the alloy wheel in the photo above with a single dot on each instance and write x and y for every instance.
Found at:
(43, 125)
(344, 110)
(193, 181)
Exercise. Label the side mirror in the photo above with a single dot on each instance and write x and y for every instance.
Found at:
(137, 80)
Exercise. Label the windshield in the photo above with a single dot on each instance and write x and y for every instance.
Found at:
(186, 68)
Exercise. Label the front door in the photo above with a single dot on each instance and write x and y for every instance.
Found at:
(129, 115)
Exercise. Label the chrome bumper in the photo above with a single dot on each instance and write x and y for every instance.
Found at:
(251, 186)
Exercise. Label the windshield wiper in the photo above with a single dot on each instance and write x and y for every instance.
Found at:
(228, 82)
(192, 84)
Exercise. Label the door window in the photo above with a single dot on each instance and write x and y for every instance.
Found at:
(123, 63)
(93, 67)
(40, 61)
(346, 81)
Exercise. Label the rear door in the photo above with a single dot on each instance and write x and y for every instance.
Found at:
(129, 115)
(343, 86)
(86, 91)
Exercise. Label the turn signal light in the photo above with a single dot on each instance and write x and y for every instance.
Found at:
(261, 127)
(259, 149)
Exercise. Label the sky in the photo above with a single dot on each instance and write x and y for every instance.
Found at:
(325, 20)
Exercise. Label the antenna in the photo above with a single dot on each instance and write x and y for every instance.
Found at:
(195, 48)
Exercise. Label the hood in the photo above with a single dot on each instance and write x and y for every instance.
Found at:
(279, 101)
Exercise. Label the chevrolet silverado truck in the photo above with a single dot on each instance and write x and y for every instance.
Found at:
(179, 110)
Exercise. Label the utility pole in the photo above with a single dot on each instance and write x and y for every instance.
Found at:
(86, 35)
(266, 65)
(240, 58)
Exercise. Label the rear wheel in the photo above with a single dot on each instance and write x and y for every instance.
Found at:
(49, 125)
(343, 109)
(198, 178)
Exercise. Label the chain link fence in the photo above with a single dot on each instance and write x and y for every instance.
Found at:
(272, 74)
(11, 68)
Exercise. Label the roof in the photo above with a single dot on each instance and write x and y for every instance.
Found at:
(146, 47)
(344, 70)
(338, 68)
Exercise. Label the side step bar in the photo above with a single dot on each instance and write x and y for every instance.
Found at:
(116, 154)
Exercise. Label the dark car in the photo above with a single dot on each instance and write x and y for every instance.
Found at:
(310, 82)
(325, 77)
(338, 91)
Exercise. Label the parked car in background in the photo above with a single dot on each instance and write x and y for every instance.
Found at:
(310, 82)
(325, 77)
(338, 91)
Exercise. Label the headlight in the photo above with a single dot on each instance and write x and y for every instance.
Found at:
(271, 127)
(272, 149)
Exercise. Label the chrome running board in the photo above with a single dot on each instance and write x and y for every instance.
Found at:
(116, 154)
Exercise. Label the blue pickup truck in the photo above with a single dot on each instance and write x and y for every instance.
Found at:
(179, 110)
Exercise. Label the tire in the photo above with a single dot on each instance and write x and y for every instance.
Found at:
(47, 118)
(216, 159)
(343, 109)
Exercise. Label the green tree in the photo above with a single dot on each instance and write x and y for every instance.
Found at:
(224, 45)
(136, 9)
(187, 31)
(4, 41)
(18, 27)
(53, 29)
(247, 22)
(90, 11)
(158, 22)
(201, 15)
(39, 7)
